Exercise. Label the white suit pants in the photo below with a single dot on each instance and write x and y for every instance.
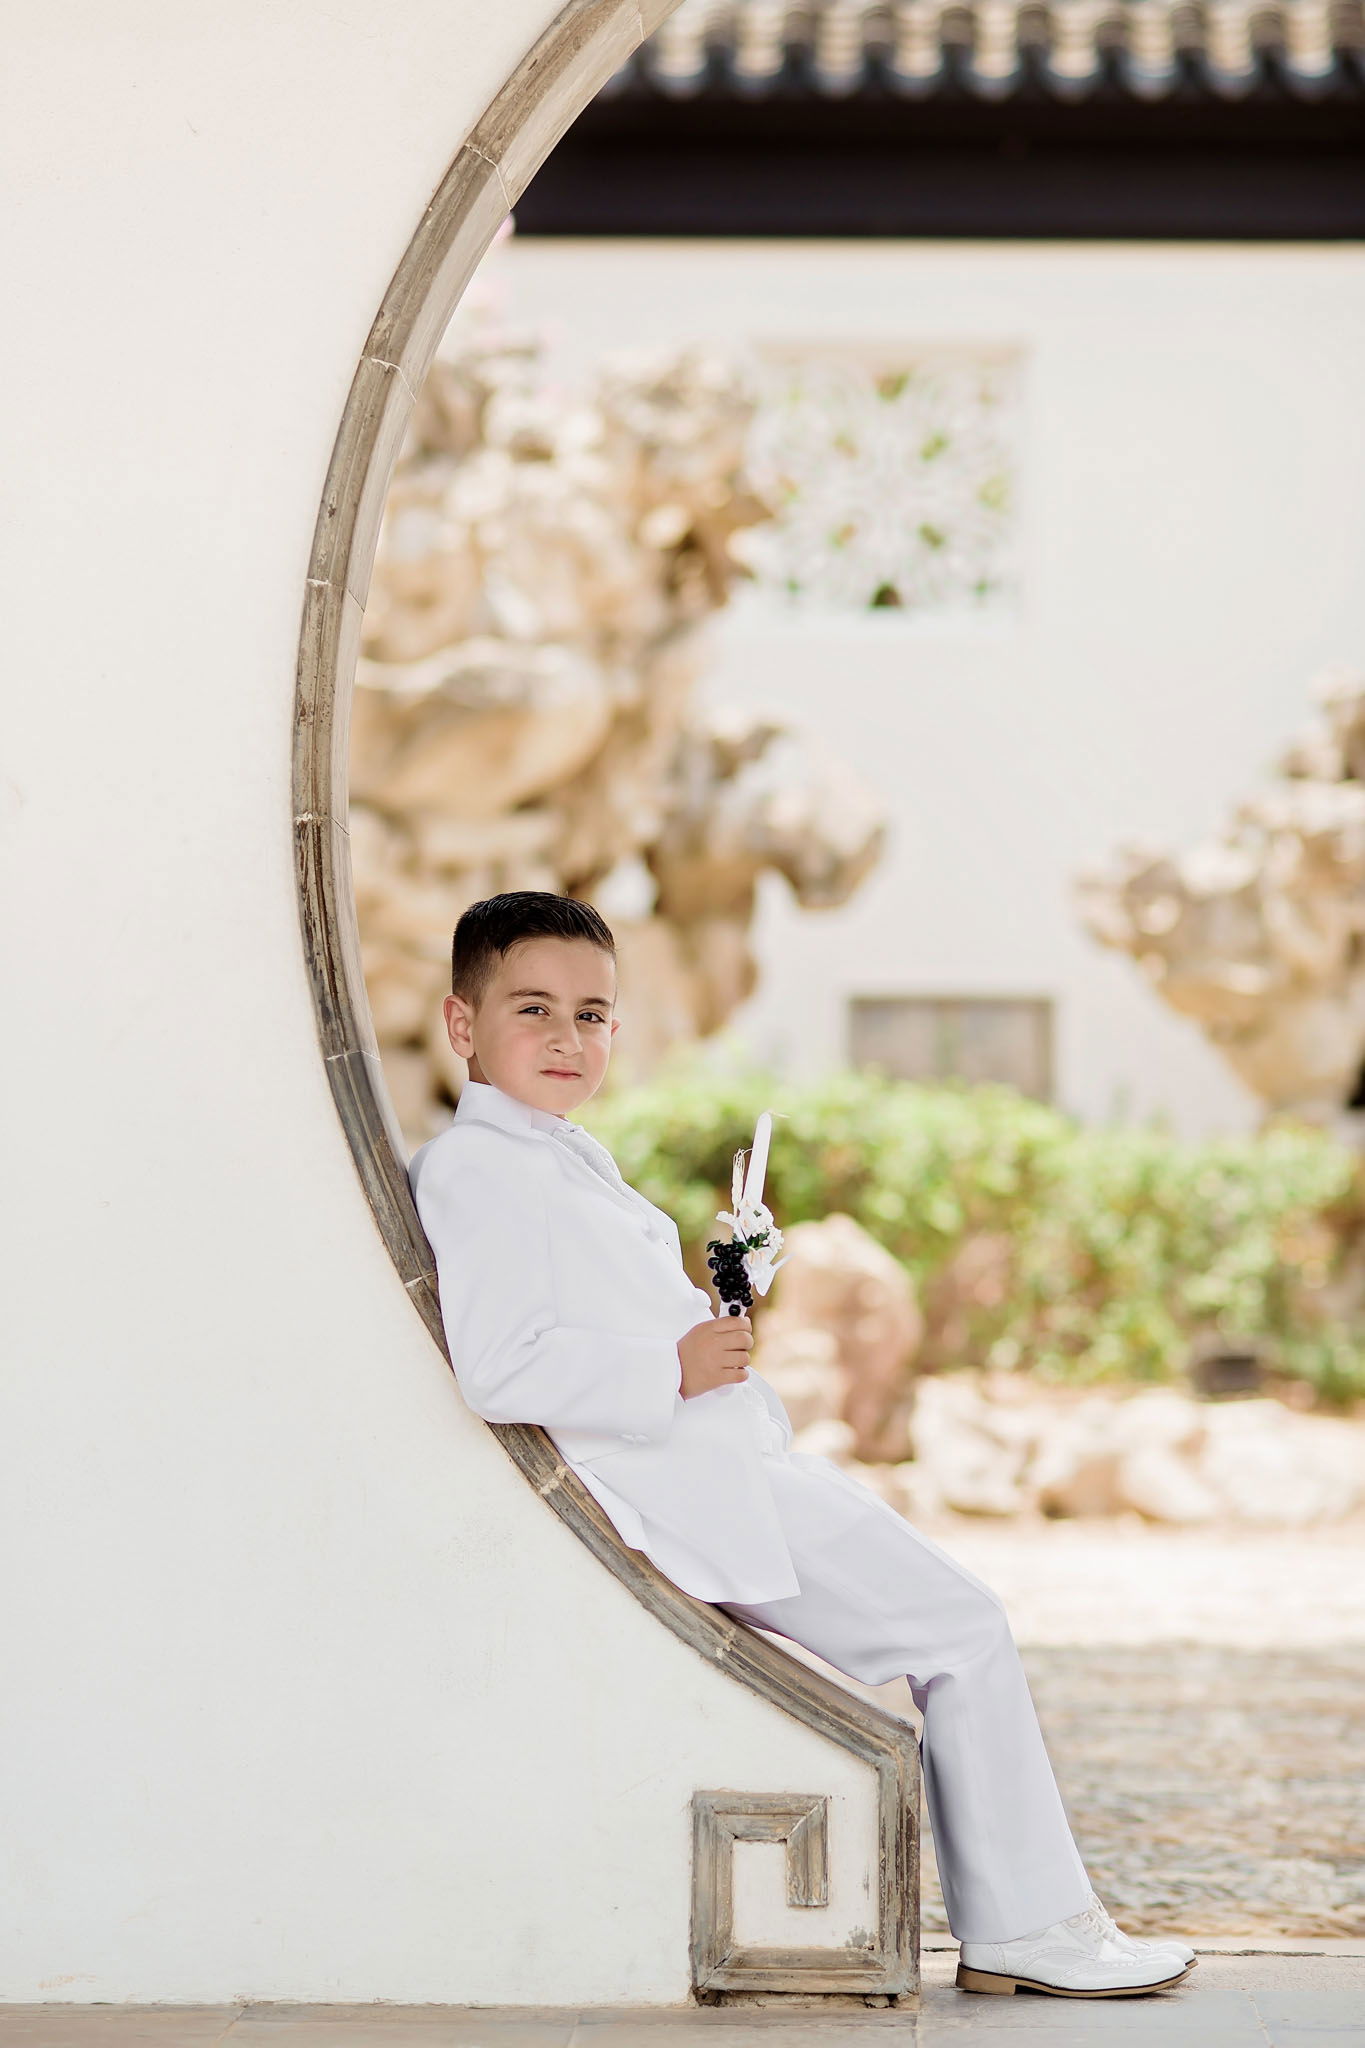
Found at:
(878, 1601)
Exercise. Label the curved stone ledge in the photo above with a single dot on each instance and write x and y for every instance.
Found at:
(588, 41)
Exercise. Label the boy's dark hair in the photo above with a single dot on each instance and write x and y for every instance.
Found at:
(490, 929)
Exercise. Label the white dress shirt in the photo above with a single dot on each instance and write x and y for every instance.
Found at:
(563, 1296)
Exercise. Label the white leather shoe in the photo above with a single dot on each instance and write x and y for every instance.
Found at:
(1083, 1957)
(1136, 1942)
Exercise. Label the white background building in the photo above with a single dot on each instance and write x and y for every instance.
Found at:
(1189, 550)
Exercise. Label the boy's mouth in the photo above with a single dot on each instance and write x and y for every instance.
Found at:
(561, 1073)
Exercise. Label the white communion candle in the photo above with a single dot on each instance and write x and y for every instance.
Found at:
(758, 1161)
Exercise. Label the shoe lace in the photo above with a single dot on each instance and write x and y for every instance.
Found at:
(1095, 1919)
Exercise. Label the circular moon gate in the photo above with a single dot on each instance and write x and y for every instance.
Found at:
(580, 50)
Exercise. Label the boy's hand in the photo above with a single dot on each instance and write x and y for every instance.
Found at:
(715, 1354)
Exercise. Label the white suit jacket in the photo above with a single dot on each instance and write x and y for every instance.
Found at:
(563, 1299)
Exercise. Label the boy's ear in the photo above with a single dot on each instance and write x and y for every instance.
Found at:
(458, 1013)
(615, 1026)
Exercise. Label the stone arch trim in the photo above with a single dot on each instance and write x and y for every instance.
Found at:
(585, 43)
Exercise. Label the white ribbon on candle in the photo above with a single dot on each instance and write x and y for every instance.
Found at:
(758, 1160)
(750, 1216)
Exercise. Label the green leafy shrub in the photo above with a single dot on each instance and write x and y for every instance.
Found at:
(1081, 1253)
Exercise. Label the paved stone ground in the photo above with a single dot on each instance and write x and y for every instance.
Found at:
(1203, 1696)
(1226, 2002)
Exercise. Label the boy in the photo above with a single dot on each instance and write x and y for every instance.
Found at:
(565, 1303)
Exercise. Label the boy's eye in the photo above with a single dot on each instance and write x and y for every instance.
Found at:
(539, 1010)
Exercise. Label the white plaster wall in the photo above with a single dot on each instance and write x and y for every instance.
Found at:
(306, 1696)
(1194, 535)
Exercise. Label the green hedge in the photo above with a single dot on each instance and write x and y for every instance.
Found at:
(1121, 1245)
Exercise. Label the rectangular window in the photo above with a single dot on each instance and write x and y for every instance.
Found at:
(964, 1038)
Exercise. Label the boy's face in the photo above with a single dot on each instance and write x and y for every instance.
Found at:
(542, 1029)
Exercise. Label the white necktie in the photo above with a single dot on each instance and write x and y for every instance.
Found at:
(594, 1155)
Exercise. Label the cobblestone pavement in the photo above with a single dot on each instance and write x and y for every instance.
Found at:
(1203, 1697)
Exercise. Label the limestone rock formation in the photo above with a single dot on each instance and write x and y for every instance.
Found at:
(525, 710)
(840, 1341)
(1259, 934)
(843, 1345)
(985, 1445)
